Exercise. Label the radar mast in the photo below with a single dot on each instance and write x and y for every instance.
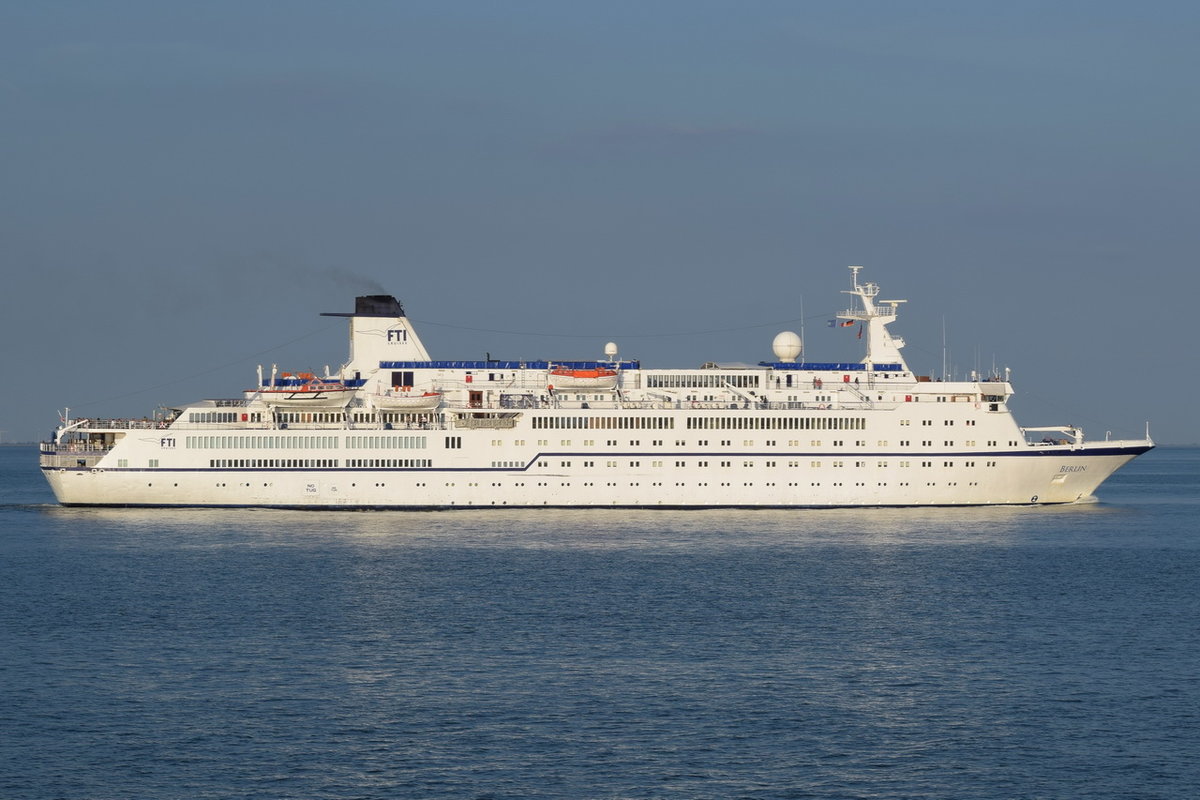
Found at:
(875, 315)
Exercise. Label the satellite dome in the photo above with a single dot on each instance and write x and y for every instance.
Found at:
(610, 350)
(787, 346)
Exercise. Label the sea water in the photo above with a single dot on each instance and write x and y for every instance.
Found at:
(1047, 652)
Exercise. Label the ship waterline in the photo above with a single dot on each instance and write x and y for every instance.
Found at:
(606, 433)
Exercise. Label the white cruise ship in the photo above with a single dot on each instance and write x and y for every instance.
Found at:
(395, 429)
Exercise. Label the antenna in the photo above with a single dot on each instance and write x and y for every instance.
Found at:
(802, 339)
(943, 347)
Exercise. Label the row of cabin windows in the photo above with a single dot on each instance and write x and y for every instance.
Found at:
(296, 442)
(387, 442)
(425, 463)
(389, 463)
(744, 443)
(394, 417)
(701, 381)
(316, 463)
(400, 442)
(319, 417)
(216, 416)
(285, 442)
(693, 423)
(227, 417)
(820, 423)
(746, 463)
(634, 423)
(778, 423)
(273, 463)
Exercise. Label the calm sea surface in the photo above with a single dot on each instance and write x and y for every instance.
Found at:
(985, 653)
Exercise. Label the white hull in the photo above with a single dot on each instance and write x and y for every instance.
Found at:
(1052, 475)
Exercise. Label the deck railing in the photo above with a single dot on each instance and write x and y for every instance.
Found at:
(71, 458)
(121, 424)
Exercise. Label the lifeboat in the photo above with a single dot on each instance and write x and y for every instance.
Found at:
(406, 400)
(307, 392)
(598, 378)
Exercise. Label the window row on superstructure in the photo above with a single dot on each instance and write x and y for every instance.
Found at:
(393, 417)
(745, 463)
(220, 417)
(318, 463)
(710, 381)
(386, 442)
(297, 442)
(630, 422)
(778, 423)
(285, 417)
(425, 463)
(318, 417)
(286, 442)
(273, 463)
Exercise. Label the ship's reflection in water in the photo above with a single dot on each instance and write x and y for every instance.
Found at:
(572, 529)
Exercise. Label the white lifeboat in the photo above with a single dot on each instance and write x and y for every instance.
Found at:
(308, 392)
(405, 399)
(567, 378)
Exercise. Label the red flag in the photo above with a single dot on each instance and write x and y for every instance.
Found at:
(860, 331)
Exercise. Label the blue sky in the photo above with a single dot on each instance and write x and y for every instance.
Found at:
(186, 186)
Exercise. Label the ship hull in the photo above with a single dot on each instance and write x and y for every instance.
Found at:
(1046, 476)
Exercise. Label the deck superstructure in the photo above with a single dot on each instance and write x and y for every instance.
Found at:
(394, 428)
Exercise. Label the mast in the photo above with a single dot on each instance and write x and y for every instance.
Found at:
(875, 315)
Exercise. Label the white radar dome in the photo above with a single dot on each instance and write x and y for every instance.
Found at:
(787, 346)
(610, 350)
